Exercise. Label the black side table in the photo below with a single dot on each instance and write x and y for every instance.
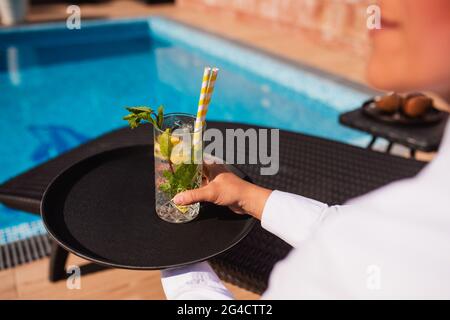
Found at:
(425, 138)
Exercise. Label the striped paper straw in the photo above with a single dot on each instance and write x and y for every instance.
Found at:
(209, 80)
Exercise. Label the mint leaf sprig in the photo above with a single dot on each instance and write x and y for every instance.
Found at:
(184, 178)
(139, 114)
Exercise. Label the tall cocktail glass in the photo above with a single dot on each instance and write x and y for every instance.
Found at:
(178, 166)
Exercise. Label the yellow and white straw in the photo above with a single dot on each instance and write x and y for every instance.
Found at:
(209, 80)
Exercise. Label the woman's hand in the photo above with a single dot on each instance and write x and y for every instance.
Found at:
(224, 188)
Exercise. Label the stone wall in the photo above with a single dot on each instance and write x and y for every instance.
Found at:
(331, 21)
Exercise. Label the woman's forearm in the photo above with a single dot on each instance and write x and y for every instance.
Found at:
(254, 200)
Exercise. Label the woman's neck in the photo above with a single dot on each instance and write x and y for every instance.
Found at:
(446, 97)
(444, 92)
(441, 96)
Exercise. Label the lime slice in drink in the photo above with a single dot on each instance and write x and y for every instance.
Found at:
(180, 157)
(182, 209)
(174, 140)
(157, 152)
(162, 154)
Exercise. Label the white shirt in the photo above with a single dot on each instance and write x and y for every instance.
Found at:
(391, 243)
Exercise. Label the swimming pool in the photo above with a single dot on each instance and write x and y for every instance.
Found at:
(60, 88)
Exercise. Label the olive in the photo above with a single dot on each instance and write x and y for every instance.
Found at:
(389, 103)
(413, 95)
(417, 106)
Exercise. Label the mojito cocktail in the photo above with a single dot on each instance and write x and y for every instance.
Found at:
(178, 166)
(178, 150)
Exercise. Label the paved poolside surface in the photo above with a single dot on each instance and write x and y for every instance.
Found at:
(30, 281)
(283, 41)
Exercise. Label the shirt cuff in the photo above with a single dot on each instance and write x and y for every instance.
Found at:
(193, 282)
(291, 217)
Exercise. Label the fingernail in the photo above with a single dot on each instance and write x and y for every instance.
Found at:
(178, 199)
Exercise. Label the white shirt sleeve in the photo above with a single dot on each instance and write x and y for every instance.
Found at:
(388, 244)
(288, 216)
(292, 217)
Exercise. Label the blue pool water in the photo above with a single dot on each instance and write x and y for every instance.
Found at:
(60, 88)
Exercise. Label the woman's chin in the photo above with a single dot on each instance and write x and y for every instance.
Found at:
(376, 80)
(384, 77)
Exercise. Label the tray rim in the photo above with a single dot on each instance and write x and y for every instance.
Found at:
(252, 221)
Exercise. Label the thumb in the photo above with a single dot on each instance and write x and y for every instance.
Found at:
(192, 196)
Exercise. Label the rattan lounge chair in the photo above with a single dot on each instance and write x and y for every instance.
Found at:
(321, 169)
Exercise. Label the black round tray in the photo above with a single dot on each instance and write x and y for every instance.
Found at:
(431, 117)
(103, 209)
